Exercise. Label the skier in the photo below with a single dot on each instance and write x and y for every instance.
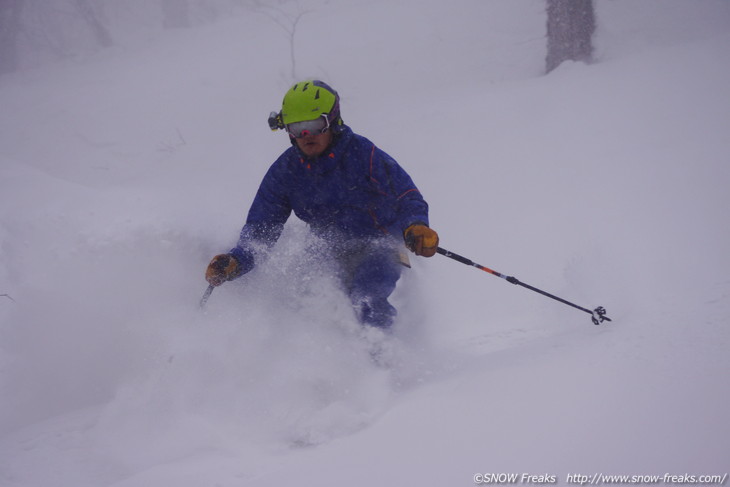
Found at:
(353, 196)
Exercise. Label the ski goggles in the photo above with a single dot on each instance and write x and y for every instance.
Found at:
(319, 125)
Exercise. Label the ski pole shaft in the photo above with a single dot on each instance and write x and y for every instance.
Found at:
(598, 315)
(206, 295)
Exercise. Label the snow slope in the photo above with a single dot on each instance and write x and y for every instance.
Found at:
(121, 174)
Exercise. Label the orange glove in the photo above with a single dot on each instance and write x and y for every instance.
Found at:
(421, 240)
(222, 268)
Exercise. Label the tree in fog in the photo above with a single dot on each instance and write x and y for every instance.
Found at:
(89, 15)
(288, 20)
(35, 31)
(9, 30)
(570, 26)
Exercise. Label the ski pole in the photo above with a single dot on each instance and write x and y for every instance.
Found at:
(598, 315)
(206, 295)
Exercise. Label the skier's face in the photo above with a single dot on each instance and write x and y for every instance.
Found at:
(314, 145)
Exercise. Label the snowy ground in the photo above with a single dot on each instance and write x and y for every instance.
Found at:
(123, 173)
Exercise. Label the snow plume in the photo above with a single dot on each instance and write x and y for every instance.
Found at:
(277, 358)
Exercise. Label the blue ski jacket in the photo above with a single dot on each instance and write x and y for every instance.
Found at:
(352, 191)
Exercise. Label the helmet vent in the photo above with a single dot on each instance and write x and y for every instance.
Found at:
(316, 95)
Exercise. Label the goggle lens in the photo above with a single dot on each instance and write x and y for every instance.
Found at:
(297, 130)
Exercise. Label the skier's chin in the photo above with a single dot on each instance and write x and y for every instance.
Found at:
(312, 149)
(314, 145)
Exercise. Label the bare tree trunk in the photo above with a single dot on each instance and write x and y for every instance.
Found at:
(175, 14)
(570, 26)
(288, 22)
(9, 29)
(101, 33)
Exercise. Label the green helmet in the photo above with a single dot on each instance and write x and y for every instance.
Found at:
(308, 100)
